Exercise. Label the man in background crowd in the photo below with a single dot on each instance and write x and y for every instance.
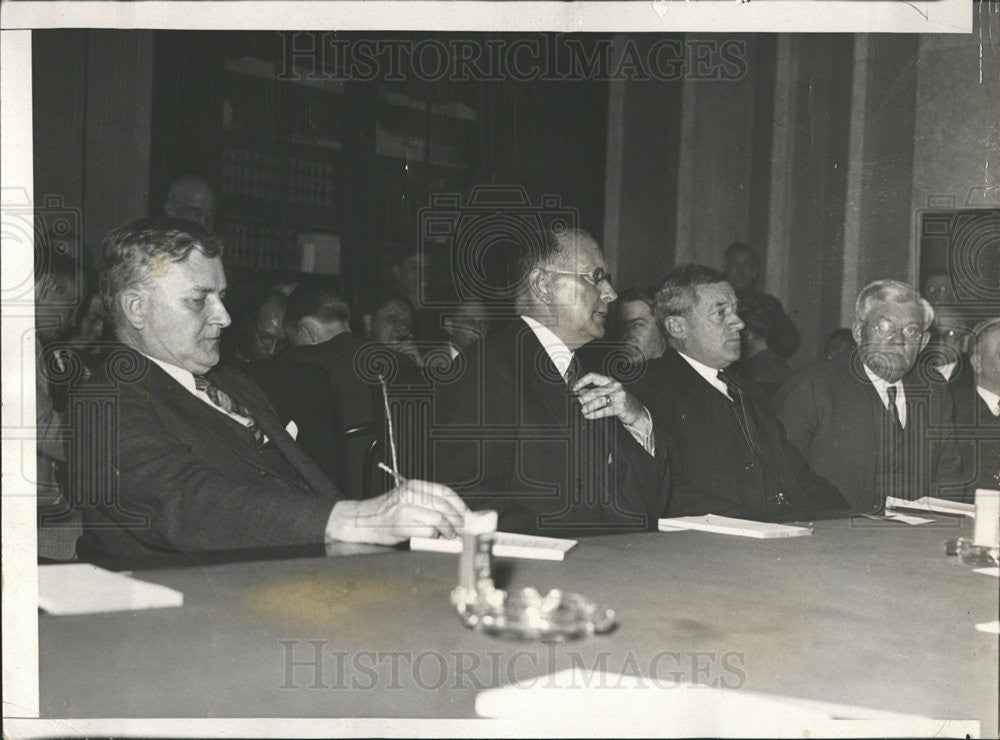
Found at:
(743, 272)
(59, 288)
(191, 198)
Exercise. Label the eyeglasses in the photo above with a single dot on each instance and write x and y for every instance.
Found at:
(595, 278)
(886, 329)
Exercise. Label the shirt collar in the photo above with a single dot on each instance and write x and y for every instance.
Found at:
(558, 352)
(881, 384)
(182, 376)
(947, 369)
(710, 374)
(992, 399)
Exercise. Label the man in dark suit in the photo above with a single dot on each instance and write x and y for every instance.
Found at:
(865, 420)
(728, 451)
(317, 326)
(977, 418)
(557, 451)
(200, 460)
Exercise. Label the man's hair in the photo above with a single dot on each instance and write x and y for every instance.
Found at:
(741, 247)
(314, 301)
(677, 295)
(544, 248)
(377, 302)
(644, 294)
(884, 291)
(130, 251)
(981, 330)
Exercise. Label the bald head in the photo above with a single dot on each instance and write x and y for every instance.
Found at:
(192, 199)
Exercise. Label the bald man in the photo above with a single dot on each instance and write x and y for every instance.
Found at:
(192, 199)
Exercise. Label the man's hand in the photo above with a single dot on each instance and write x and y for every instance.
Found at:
(607, 397)
(414, 509)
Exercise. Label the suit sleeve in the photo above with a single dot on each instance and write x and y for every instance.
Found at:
(190, 505)
(798, 411)
(950, 481)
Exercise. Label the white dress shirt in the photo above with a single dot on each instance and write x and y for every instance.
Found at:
(562, 356)
(710, 374)
(881, 386)
(991, 399)
(186, 379)
(946, 370)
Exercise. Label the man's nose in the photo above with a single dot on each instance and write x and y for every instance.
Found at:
(220, 316)
(737, 323)
(608, 293)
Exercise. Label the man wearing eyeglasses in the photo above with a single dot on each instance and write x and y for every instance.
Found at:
(526, 430)
(867, 420)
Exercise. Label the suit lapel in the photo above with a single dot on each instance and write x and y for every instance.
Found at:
(543, 385)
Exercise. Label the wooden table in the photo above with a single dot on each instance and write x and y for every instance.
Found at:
(862, 612)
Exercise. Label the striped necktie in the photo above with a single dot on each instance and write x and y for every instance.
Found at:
(230, 405)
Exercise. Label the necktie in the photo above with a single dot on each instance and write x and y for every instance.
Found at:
(738, 406)
(229, 404)
(572, 373)
(893, 410)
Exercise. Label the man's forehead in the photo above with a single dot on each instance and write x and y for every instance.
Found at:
(715, 293)
(195, 270)
(896, 310)
(636, 308)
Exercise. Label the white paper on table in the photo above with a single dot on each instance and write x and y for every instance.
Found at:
(995, 572)
(895, 516)
(729, 525)
(82, 588)
(576, 699)
(505, 545)
(992, 628)
(930, 503)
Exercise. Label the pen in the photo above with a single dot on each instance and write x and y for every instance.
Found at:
(400, 480)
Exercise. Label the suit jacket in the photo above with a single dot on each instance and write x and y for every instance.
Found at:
(716, 467)
(338, 357)
(509, 436)
(833, 414)
(300, 392)
(172, 473)
(978, 433)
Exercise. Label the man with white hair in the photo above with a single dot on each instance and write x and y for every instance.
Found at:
(863, 419)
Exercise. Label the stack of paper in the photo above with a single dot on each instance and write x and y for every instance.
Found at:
(81, 588)
(729, 525)
(505, 545)
(930, 503)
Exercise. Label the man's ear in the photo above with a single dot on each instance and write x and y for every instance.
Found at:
(856, 332)
(133, 303)
(676, 326)
(538, 283)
